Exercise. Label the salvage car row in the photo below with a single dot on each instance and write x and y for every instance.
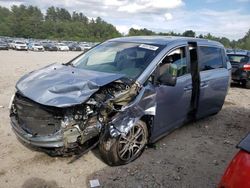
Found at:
(37, 45)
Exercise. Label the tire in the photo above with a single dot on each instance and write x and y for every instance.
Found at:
(124, 148)
(247, 84)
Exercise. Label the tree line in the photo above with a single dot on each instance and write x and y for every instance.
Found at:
(60, 24)
(57, 23)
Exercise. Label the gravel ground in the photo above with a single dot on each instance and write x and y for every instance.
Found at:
(193, 156)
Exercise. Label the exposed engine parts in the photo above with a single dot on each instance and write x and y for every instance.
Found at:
(84, 122)
(112, 98)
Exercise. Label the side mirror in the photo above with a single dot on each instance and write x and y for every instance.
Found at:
(169, 77)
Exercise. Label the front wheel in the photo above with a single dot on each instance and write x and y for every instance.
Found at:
(124, 148)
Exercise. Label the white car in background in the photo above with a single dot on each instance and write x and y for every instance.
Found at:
(36, 47)
(62, 47)
(19, 45)
(85, 47)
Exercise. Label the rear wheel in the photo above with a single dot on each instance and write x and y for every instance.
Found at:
(247, 84)
(124, 148)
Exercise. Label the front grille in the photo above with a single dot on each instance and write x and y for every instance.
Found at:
(36, 119)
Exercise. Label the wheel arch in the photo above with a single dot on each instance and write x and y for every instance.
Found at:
(148, 120)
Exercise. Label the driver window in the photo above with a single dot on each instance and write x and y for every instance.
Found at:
(177, 57)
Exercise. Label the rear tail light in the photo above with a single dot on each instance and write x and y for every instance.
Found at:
(246, 67)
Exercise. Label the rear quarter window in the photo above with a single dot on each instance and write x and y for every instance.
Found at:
(210, 58)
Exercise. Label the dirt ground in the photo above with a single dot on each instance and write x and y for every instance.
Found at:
(193, 156)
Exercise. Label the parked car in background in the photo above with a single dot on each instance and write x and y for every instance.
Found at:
(74, 47)
(4, 45)
(36, 47)
(50, 47)
(10, 43)
(122, 94)
(240, 62)
(229, 50)
(62, 47)
(19, 45)
(237, 174)
(85, 47)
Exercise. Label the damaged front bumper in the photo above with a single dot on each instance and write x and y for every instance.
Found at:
(53, 141)
(51, 128)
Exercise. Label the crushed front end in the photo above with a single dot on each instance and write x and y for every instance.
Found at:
(66, 130)
(52, 128)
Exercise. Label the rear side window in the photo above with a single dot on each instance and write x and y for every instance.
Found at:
(210, 58)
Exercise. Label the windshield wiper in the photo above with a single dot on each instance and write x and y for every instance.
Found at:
(68, 64)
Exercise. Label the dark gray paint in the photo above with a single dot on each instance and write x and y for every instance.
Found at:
(213, 90)
(173, 105)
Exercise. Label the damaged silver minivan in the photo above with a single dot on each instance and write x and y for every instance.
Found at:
(121, 95)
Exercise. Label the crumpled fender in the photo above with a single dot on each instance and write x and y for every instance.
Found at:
(144, 104)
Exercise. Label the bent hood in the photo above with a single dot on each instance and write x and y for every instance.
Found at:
(62, 86)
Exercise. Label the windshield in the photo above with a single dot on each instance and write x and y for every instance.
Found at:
(238, 58)
(130, 59)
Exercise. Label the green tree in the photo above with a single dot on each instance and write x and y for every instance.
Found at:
(201, 36)
(4, 21)
(189, 33)
(63, 14)
(225, 41)
(134, 32)
(51, 14)
(244, 43)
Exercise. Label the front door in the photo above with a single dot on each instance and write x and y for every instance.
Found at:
(173, 102)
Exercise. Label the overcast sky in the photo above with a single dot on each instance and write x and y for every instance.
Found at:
(229, 18)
